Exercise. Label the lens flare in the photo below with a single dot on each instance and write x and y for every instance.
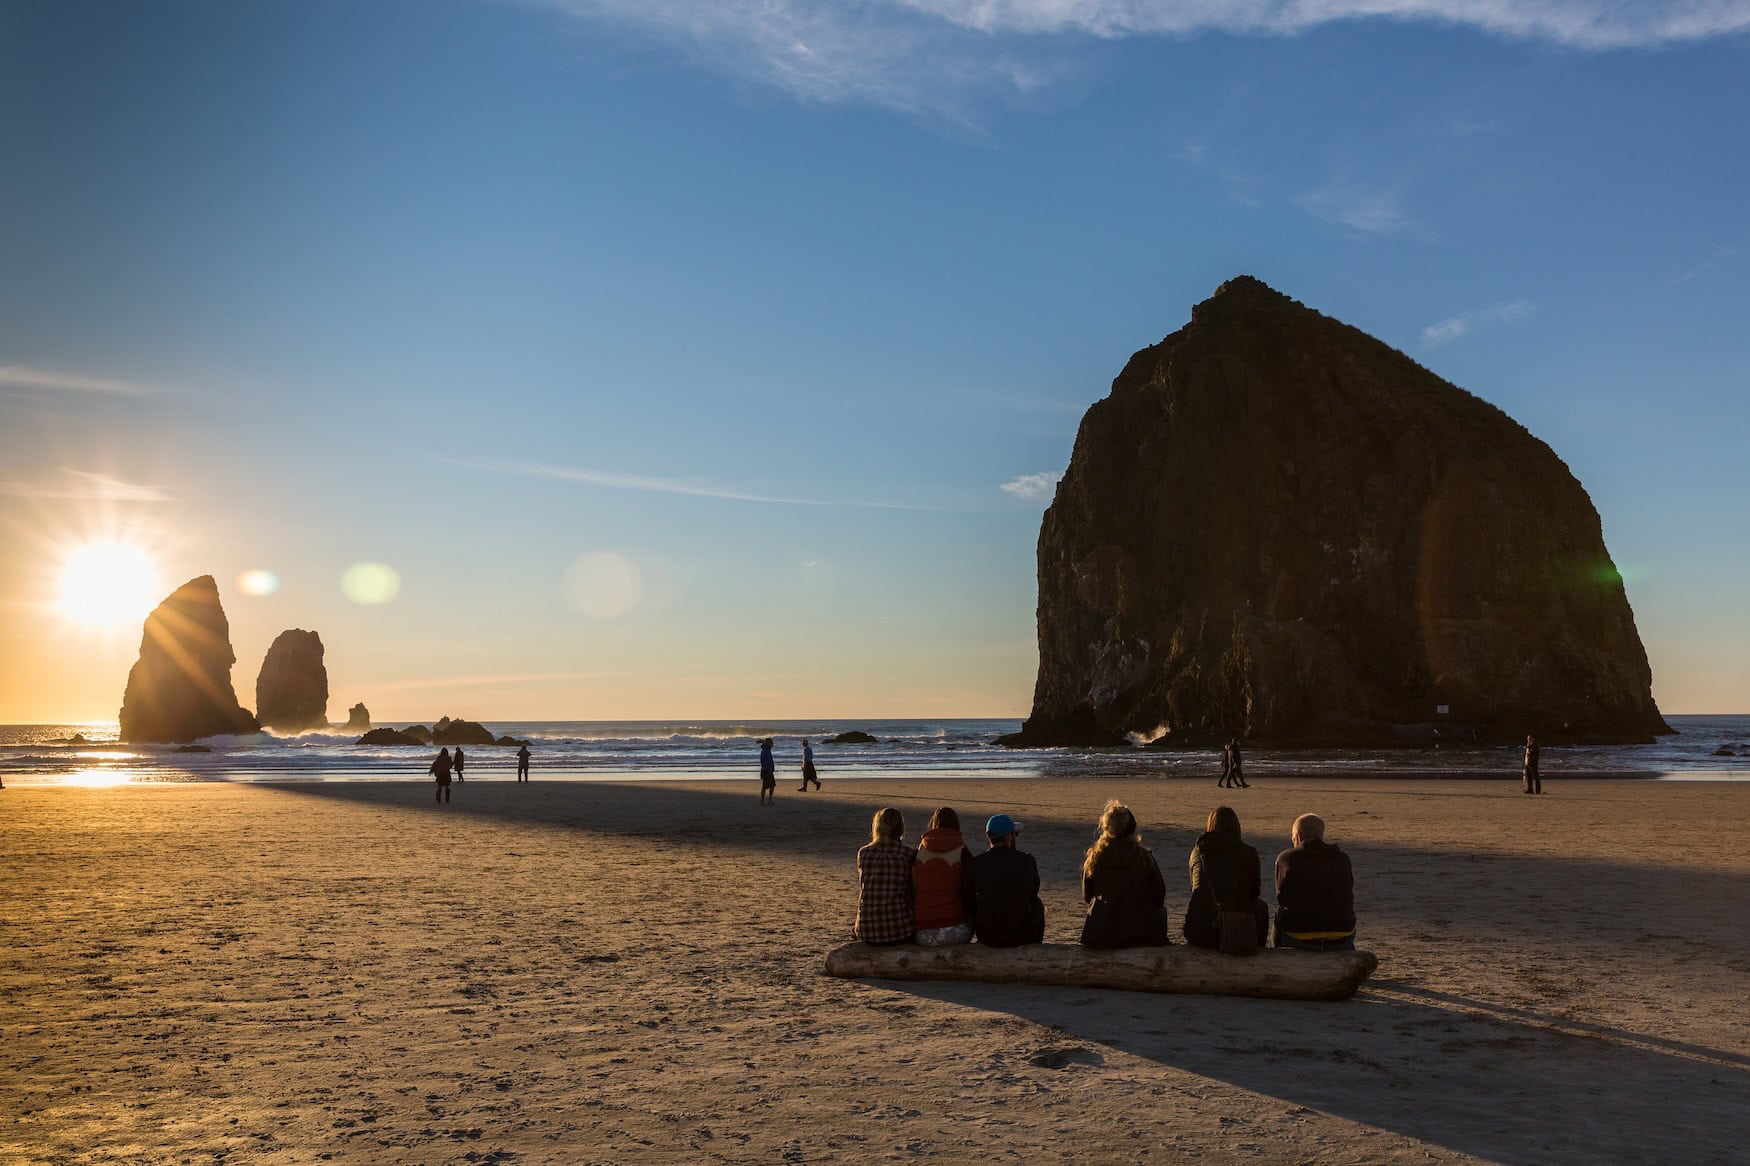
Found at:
(603, 585)
(258, 582)
(370, 584)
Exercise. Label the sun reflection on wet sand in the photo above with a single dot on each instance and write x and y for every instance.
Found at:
(96, 778)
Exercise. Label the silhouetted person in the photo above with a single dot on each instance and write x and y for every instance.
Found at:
(522, 763)
(1224, 878)
(460, 760)
(884, 892)
(768, 773)
(1006, 911)
(440, 769)
(1232, 769)
(1122, 886)
(1315, 891)
(941, 879)
(808, 773)
(1533, 780)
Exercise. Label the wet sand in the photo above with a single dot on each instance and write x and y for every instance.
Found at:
(630, 973)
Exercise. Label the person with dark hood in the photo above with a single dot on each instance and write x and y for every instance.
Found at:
(1006, 911)
(941, 879)
(768, 773)
(1122, 886)
(1224, 878)
(440, 769)
(1315, 891)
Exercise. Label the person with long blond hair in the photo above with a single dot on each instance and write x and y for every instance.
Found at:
(1122, 886)
(884, 892)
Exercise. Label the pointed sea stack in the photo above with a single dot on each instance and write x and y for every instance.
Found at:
(179, 689)
(291, 691)
(1278, 527)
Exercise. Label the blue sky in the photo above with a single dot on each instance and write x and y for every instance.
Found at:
(676, 355)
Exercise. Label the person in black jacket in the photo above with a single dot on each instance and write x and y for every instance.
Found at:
(1315, 891)
(1224, 877)
(1005, 886)
(1122, 886)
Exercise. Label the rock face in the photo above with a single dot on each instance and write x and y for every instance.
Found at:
(358, 718)
(456, 732)
(180, 687)
(1278, 527)
(291, 691)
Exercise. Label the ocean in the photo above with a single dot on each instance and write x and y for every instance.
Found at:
(728, 750)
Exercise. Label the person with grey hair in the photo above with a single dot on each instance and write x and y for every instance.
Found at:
(1315, 891)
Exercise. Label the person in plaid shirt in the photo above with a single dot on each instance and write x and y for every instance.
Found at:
(884, 894)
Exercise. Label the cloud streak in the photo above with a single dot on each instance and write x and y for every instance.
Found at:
(934, 56)
(689, 488)
(1033, 486)
(20, 377)
(81, 486)
(1450, 329)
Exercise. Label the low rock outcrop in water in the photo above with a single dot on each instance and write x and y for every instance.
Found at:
(291, 691)
(1277, 526)
(180, 687)
(457, 732)
(388, 736)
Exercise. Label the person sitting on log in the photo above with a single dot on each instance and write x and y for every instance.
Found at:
(942, 883)
(1006, 911)
(1315, 891)
(1224, 878)
(884, 894)
(1122, 886)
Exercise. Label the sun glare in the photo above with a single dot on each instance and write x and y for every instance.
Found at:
(108, 584)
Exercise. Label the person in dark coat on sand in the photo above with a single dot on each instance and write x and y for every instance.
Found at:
(1315, 891)
(460, 761)
(1533, 779)
(522, 763)
(1224, 877)
(1006, 911)
(440, 769)
(768, 773)
(1232, 770)
(1122, 886)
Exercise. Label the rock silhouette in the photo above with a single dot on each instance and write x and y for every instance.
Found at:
(389, 736)
(358, 718)
(291, 691)
(180, 687)
(459, 732)
(1278, 526)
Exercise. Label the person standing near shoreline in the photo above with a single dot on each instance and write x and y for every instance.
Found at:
(459, 762)
(440, 769)
(768, 773)
(522, 762)
(808, 773)
(1533, 779)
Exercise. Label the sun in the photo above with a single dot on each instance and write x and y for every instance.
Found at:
(108, 584)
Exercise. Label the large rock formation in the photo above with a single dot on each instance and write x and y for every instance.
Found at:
(459, 732)
(180, 687)
(358, 718)
(1279, 527)
(291, 692)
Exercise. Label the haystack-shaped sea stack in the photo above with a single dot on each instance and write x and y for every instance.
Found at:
(180, 687)
(358, 718)
(1277, 526)
(291, 691)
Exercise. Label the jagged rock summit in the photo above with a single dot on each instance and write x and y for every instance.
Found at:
(179, 689)
(291, 691)
(1278, 527)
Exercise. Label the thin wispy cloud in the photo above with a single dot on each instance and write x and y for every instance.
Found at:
(85, 487)
(688, 487)
(1374, 212)
(18, 376)
(934, 56)
(1450, 329)
(1033, 486)
(1719, 258)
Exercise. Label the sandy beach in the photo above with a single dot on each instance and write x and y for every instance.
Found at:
(576, 972)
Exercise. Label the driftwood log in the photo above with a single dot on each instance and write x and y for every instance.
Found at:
(1275, 972)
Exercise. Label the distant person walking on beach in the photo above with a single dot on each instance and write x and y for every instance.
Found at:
(808, 773)
(440, 769)
(522, 763)
(1233, 774)
(459, 762)
(884, 894)
(768, 773)
(1315, 891)
(1533, 780)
